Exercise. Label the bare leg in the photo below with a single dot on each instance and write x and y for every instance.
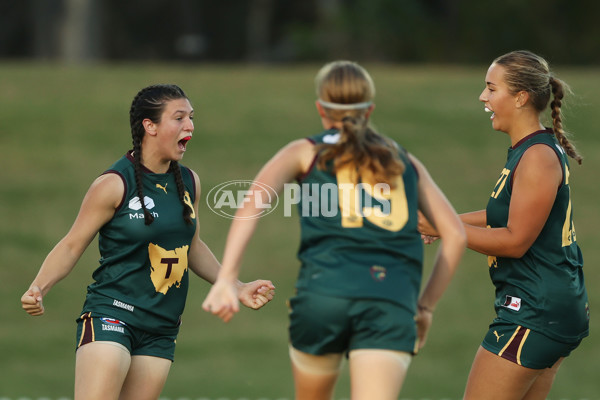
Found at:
(314, 376)
(100, 370)
(146, 378)
(377, 374)
(494, 378)
(542, 385)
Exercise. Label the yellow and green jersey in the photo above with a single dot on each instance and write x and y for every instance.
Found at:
(143, 274)
(359, 239)
(543, 290)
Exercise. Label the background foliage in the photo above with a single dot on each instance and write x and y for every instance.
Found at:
(62, 126)
(266, 31)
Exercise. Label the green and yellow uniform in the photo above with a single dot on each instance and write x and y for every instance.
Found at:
(544, 289)
(142, 279)
(359, 241)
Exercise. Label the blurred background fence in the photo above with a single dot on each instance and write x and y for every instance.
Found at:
(431, 31)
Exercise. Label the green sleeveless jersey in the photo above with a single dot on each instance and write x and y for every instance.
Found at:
(543, 290)
(359, 240)
(143, 274)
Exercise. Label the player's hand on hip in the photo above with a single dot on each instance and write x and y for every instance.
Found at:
(424, 319)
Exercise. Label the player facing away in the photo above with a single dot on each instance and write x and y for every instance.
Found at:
(144, 209)
(528, 234)
(361, 254)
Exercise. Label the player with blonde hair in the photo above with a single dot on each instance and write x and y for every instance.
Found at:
(361, 254)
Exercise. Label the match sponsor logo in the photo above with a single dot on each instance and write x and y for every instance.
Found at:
(114, 325)
(112, 321)
(113, 328)
(135, 204)
(122, 305)
(513, 303)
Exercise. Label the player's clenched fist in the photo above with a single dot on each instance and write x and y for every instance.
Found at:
(31, 301)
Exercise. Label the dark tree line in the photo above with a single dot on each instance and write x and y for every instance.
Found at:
(566, 31)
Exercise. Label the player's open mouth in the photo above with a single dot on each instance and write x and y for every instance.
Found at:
(183, 142)
(490, 111)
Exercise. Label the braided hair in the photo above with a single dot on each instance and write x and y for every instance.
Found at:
(149, 103)
(527, 71)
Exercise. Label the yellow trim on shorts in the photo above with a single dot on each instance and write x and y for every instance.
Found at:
(509, 341)
(89, 315)
(521, 346)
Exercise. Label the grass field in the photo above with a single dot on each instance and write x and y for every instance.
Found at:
(62, 126)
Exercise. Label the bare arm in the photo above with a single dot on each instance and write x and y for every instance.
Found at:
(434, 205)
(535, 185)
(475, 218)
(203, 263)
(201, 260)
(436, 208)
(97, 208)
(287, 164)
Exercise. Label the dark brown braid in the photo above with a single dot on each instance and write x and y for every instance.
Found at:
(524, 70)
(187, 210)
(149, 103)
(555, 107)
(137, 151)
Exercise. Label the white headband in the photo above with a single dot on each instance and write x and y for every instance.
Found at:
(338, 106)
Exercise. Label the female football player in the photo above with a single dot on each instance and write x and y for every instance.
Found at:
(528, 234)
(144, 208)
(361, 254)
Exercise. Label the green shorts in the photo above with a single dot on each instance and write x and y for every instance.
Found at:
(94, 328)
(323, 324)
(525, 347)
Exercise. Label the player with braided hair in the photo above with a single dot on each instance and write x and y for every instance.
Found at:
(528, 234)
(143, 103)
(144, 210)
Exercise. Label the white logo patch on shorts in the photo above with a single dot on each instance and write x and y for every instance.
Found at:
(111, 324)
(514, 303)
